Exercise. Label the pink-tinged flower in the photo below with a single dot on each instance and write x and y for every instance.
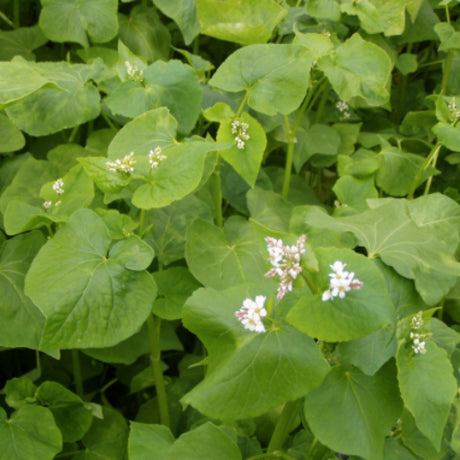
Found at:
(340, 282)
(285, 261)
(251, 313)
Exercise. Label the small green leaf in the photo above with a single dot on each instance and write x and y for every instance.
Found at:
(246, 161)
(359, 313)
(352, 413)
(13, 138)
(229, 257)
(275, 76)
(248, 373)
(34, 430)
(431, 375)
(76, 20)
(353, 192)
(105, 296)
(20, 42)
(448, 135)
(19, 392)
(69, 411)
(450, 38)
(147, 442)
(242, 21)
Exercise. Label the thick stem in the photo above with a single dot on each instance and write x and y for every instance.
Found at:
(78, 380)
(154, 327)
(216, 188)
(284, 425)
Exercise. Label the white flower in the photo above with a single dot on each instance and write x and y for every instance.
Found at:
(417, 337)
(125, 165)
(58, 186)
(47, 204)
(342, 106)
(285, 261)
(240, 128)
(251, 313)
(155, 157)
(340, 282)
(134, 73)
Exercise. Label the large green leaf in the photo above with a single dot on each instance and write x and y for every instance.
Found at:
(352, 413)
(91, 293)
(12, 137)
(69, 411)
(171, 84)
(30, 433)
(248, 373)
(76, 20)
(22, 321)
(148, 441)
(359, 313)
(358, 69)
(245, 161)
(414, 252)
(428, 387)
(20, 42)
(241, 21)
(73, 98)
(275, 76)
(185, 16)
(230, 256)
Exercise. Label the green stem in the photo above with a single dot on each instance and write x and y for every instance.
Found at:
(433, 154)
(78, 380)
(289, 159)
(16, 13)
(7, 20)
(108, 121)
(284, 425)
(141, 222)
(243, 103)
(312, 446)
(216, 189)
(154, 327)
(322, 103)
(446, 72)
(73, 134)
(430, 179)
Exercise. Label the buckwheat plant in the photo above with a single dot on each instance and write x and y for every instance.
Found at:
(240, 128)
(343, 108)
(156, 157)
(285, 261)
(251, 314)
(126, 165)
(340, 282)
(58, 186)
(134, 73)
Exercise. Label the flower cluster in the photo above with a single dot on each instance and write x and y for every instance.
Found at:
(251, 314)
(340, 282)
(134, 73)
(343, 108)
(285, 261)
(240, 128)
(125, 165)
(155, 157)
(58, 186)
(418, 338)
(47, 204)
(454, 113)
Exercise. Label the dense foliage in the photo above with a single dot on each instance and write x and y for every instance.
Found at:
(229, 229)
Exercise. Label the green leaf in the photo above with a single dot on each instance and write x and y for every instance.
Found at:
(324, 9)
(207, 441)
(144, 34)
(245, 161)
(248, 373)
(389, 232)
(169, 226)
(108, 301)
(242, 21)
(171, 84)
(20, 391)
(69, 411)
(317, 44)
(398, 170)
(448, 135)
(175, 285)
(13, 138)
(73, 97)
(431, 375)
(76, 20)
(275, 76)
(20, 42)
(107, 438)
(19, 79)
(184, 15)
(359, 313)
(147, 441)
(450, 38)
(359, 69)
(177, 176)
(353, 192)
(33, 429)
(22, 321)
(229, 257)
(352, 413)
